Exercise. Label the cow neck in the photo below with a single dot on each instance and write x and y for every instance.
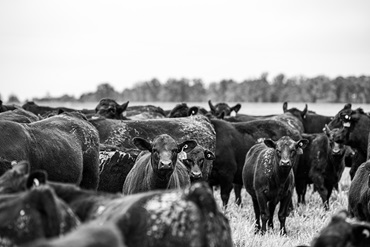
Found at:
(158, 181)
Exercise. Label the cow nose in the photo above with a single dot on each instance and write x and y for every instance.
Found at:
(165, 165)
(285, 162)
(196, 174)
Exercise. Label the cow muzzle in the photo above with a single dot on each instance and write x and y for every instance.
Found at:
(285, 163)
(165, 165)
(197, 174)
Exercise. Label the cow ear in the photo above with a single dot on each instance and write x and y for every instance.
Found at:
(22, 167)
(285, 106)
(209, 155)
(142, 144)
(300, 145)
(36, 178)
(213, 110)
(236, 108)
(193, 111)
(122, 108)
(348, 106)
(186, 146)
(269, 143)
(304, 112)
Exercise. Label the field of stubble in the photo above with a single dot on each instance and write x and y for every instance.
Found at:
(302, 224)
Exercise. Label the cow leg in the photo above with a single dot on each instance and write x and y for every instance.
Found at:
(226, 188)
(90, 172)
(265, 213)
(284, 212)
(257, 213)
(301, 188)
(237, 191)
(329, 191)
(272, 206)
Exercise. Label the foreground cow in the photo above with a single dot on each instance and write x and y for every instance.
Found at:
(233, 141)
(343, 231)
(358, 194)
(33, 214)
(65, 145)
(321, 164)
(159, 168)
(268, 178)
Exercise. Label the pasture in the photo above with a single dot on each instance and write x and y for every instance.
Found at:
(305, 221)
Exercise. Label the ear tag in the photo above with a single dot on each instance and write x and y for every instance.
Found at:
(36, 182)
(183, 155)
(347, 124)
(366, 233)
(233, 114)
(300, 144)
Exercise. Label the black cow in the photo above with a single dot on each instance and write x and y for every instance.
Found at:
(33, 214)
(65, 145)
(109, 108)
(113, 169)
(199, 163)
(343, 231)
(141, 112)
(87, 235)
(268, 178)
(233, 140)
(183, 110)
(221, 110)
(45, 111)
(321, 164)
(355, 129)
(312, 122)
(4, 108)
(359, 193)
(19, 115)
(159, 168)
(157, 218)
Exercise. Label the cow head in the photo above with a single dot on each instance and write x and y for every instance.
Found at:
(344, 118)
(196, 160)
(221, 110)
(109, 108)
(336, 140)
(19, 178)
(295, 112)
(286, 150)
(164, 150)
(343, 231)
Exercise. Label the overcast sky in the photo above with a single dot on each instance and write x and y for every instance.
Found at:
(70, 47)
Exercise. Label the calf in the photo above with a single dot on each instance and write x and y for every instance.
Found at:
(359, 193)
(343, 231)
(159, 168)
(268, 178)
(199, 162)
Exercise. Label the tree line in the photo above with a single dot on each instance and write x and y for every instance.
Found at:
(279, 89)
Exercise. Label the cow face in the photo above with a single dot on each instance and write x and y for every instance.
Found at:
(221, 110)
(343, 231)
(343, 118)
(286, 150)
(196, 160)
(336, 141)
(295, 112)
(164, 150)
(109, 108)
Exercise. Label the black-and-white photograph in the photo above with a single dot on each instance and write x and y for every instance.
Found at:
(184, 123)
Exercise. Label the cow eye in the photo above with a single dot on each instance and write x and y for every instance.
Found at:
(278, 153)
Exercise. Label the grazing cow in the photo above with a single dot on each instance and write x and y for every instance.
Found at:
(268, 178)
(355, 129)
(312, 122)
(359, 193)
(159, 168)
(199, 163)
(109, 108)
(87, 235)
(221, 110)
(343, 231)
(233, 140)
(321, 164)
(33, 214)
(113, 169)
(65, 145)
(19, 115)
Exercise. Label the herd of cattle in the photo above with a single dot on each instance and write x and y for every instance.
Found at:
(121, 175)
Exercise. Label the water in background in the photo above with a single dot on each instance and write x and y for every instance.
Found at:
(328, 109)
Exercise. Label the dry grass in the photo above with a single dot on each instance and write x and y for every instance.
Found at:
(302, 224)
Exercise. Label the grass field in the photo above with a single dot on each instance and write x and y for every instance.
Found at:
(302, 224)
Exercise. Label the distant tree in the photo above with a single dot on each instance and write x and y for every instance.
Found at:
(13, 99)
(105, 90)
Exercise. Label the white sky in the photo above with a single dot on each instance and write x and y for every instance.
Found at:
(70, 47)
